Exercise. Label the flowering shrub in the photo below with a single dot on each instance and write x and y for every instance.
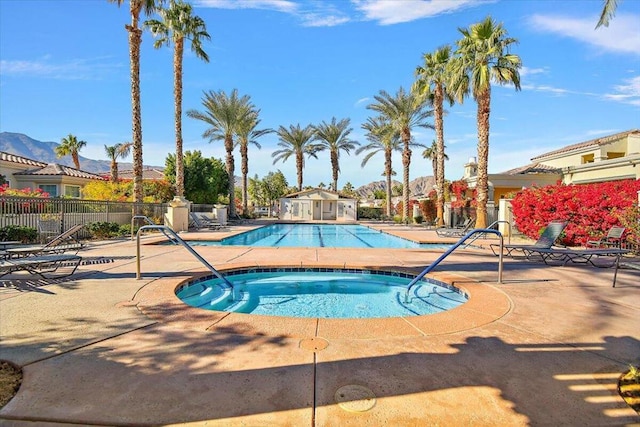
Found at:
(5, 190)
(591, 209)
(459, 190)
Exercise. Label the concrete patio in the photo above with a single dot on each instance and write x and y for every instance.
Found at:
(545, 347)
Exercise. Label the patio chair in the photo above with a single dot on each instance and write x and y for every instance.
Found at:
(41, 265)
(455, 231)
(48, 229)
(613, 238)
(547, 239)
(64, 242)
(199, 221)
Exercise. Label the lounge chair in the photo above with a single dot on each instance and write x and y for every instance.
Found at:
(65, 242)
(455, 231)
(613, 238)
(579, 256)
(48, 229)
(40, 264)
(547, 239)
(632, 265)
(200, 221)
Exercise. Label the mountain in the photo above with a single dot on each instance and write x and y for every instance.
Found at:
(22, 145)
(418, 187)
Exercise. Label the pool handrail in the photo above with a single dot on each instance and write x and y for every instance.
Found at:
(493, 224)
(148, 221)
(177, 240)
(433, 265)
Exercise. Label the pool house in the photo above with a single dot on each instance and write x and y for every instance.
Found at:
(318, 205)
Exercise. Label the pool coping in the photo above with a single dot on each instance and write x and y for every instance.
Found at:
(486, 304)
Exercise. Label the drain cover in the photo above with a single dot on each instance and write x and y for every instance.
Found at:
(355, 398)
(314, 344)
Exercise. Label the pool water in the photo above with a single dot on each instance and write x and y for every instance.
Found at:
(318, 235)
(323, 293)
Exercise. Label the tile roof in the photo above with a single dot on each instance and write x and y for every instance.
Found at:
(149, 174)
(594, 142)
(8, 157)
(531, 169)
(54, 169)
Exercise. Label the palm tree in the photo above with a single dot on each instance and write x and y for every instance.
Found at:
(334, 137)
(121, 149)
(70, 146)
(404, 112)
(432, 82)
(248, 134)
(224, 113)
(608, 12)
(296, 142)
(177, 25)
(382, 138)
(135, 39)
(483, 57)
(431, 153)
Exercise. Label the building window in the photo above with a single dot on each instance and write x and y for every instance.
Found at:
(588, 158)
(614, 155)
(72, 191)
(52, 189)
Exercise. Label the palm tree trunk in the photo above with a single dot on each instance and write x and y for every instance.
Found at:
(406, 162)
(482, 184)
(244, 149)
(177, 96)
(114, 170)
(135, 39)
(299, 167)
(228, 146)
(439, 170)
(76, 160)
(387, 172)
(335, 169)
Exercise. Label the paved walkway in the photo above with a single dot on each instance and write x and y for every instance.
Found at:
(545, 347)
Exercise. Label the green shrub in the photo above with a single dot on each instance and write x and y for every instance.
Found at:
(18, 233)
(103, 229)
(417, 219)
(366, 212)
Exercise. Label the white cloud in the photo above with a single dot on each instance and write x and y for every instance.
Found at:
(621, 36)
(388, 12)
(628, 93)
(75, 69)
(361, 101)
(526, 71)
(285, 6)
(317, 14)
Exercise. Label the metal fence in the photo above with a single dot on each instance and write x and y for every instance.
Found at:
(458, 216)
(28, 211)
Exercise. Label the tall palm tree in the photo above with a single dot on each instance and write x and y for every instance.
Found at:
(608, 12)
(179, 24)
(432, 82)
(382, 138)
(70, 146)
(135, 39)
(224, 113)
(248, 134)
(121, 149)
(296, 142)
(404, 112)
(483, 57)
(334, 137)
(431, 153)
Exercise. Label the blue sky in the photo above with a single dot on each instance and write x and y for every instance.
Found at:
(64, 68)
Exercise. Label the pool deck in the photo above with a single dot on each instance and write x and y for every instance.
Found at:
(545, 347)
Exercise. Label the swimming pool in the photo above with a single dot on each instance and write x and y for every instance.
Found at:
(321, 292)
(318, 235)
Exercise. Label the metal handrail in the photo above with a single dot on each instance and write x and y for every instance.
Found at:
(494, 223)
(453, 248)
(150, 222)
(177, 239)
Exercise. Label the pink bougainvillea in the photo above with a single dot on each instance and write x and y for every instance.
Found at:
(591, 209)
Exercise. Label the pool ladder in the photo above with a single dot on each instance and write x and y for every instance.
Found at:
(177, 240)
(460, 242)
